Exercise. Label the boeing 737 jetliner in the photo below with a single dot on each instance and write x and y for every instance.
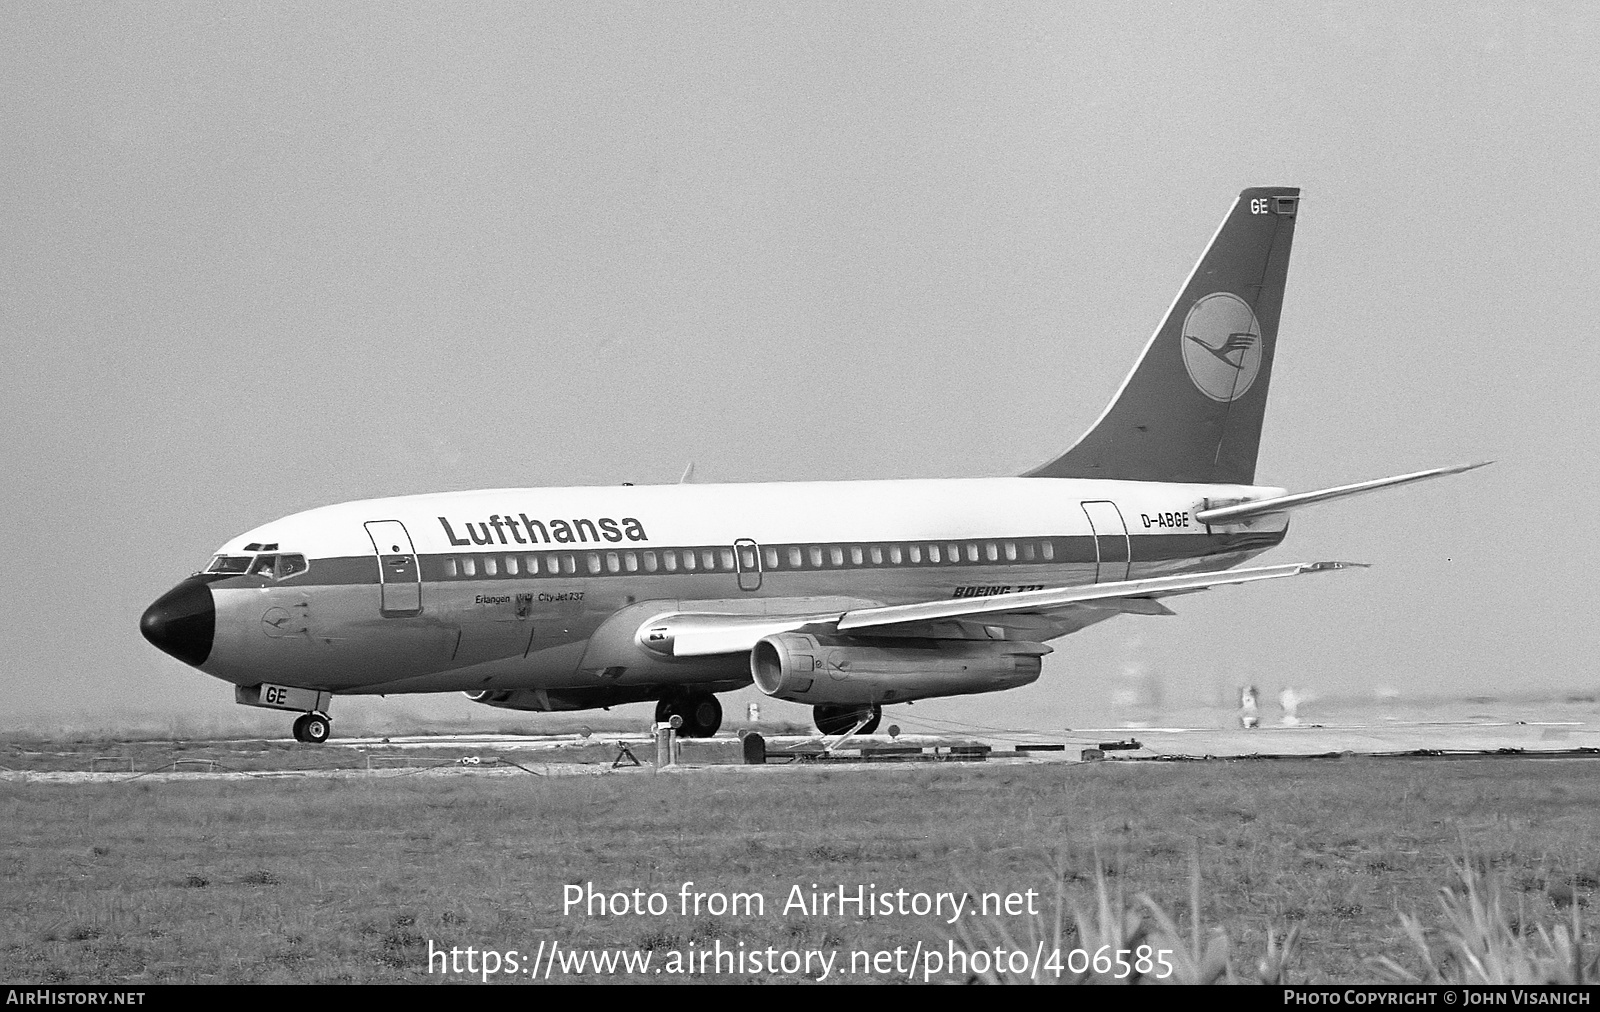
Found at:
(841, 595)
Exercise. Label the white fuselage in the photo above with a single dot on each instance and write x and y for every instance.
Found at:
(545, 588)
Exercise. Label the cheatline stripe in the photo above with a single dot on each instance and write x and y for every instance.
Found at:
(1077, 550)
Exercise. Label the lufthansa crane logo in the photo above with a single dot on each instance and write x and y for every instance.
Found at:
(1222, 346)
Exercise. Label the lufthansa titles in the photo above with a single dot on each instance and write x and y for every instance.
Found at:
(523, 531)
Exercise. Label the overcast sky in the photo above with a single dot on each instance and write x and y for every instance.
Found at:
(258, 258)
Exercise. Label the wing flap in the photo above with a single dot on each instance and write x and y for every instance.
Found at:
(1091, 596)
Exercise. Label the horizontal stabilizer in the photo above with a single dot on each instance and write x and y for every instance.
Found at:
(1240, 512)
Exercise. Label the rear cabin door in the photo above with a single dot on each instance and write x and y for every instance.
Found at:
(1113, 555)
(399, 575)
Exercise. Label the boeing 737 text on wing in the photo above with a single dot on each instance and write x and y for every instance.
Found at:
(841, 595)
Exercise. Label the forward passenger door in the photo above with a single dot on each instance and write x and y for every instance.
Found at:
(399, 575)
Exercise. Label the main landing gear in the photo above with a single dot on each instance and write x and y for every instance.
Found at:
(701, 713)
(313, 728)
(839, 719)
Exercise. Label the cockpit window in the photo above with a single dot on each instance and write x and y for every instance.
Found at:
(273, 567)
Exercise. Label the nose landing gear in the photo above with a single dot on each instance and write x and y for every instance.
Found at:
(313, 728)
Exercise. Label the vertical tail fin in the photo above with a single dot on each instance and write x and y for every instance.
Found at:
(1191, 409)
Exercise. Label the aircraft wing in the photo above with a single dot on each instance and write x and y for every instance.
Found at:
(1056, 598)
(690, 634)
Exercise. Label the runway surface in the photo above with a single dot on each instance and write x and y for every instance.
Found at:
(1486, 737)
(1444, 737)
(575, 755)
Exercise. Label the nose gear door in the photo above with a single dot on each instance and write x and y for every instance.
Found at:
(399, 574)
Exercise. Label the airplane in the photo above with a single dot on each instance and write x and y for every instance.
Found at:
(844, 595)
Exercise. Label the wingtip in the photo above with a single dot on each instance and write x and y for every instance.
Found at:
(1324, 567)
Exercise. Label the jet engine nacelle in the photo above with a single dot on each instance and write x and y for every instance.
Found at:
(824, 670)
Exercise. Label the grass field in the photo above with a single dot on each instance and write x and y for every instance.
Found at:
(276, 755)
(349, 880)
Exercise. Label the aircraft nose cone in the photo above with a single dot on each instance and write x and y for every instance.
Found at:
(182, 622)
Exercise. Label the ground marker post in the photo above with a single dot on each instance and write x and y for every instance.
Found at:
(667, 741)
(755, 748)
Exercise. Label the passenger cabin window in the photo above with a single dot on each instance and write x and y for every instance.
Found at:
(1011, 551)
(991, 551)
(688, 559)
(490, 568)
(836, 555)
(511, 565)
(876, 555)
(771, 557)
(895, 557)
(708, 559)
(613, 562)
(669, 560)
(933, 553)
(794, 558)
(569, 564)
(469, 566)
(592, 561)
(530, 564)
(1047, 549)
(450, 567)
(630, 561)
(915, 552)
(855, 555)
(815, 551)
(649, 562)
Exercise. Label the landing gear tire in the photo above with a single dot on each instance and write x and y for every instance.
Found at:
(312, 728)
(701, 713)
(839, 719)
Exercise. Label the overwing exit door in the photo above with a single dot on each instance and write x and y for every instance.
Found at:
(1112, 550)
(747, 556)
(399, 575)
